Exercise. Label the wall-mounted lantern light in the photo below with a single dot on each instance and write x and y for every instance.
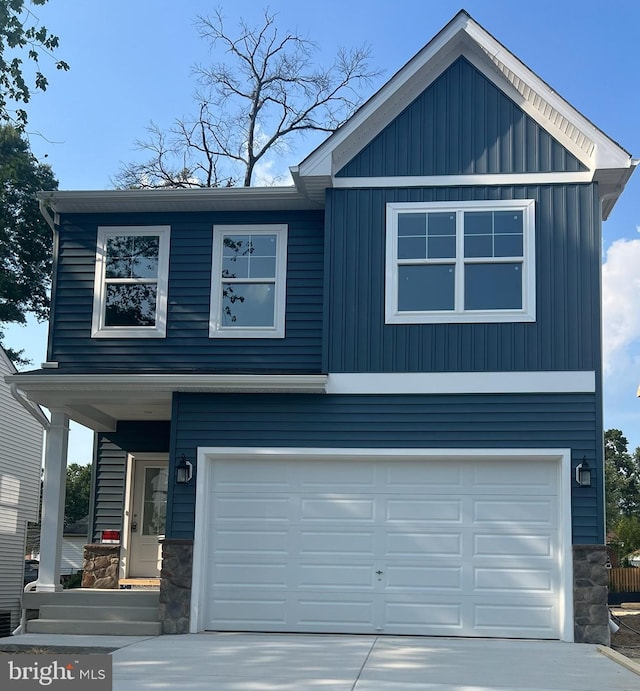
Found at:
(184, 471)
(583, 473)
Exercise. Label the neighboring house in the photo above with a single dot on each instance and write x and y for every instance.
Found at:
(74, 538)
(21, 435)
(360, 404)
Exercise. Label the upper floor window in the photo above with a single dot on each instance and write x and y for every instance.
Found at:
(130, 293)
(248, 286)
(460, 262)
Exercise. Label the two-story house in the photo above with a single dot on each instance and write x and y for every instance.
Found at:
(369, 402)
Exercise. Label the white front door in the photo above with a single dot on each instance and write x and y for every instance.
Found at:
(147, 521)
(440, 546)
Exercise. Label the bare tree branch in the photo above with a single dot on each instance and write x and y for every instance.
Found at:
(267, 90)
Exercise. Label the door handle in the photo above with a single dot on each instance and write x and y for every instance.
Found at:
(134, 527)
(379, 573)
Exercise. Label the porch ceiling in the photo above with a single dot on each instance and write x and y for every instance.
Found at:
(100, 401)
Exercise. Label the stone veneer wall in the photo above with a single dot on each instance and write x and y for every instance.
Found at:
(101, 564)
(175, 585)
(590, 594)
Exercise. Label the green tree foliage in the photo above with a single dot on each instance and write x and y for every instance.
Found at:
(628, 532)
(78, 491)
(25, 237)
(622, 478)
(21, 35)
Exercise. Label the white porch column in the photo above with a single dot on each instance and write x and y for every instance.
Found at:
(53, 491)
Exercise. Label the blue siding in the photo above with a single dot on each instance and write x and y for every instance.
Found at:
(468, 421)
(565, 336)
(111, 469)
(187, 346)
(462, 124)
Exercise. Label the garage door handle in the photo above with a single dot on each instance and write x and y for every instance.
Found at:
(379, 573)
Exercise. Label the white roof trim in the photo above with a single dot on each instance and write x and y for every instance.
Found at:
(132, 383)
(464, 36)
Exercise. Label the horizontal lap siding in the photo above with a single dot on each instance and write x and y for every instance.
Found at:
(187, 346)
(565, 335)
(111, 468)
(461, 125)
(466, 421)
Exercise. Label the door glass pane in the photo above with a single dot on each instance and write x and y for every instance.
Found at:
(493, 286)
(155, 501)
(429, 287)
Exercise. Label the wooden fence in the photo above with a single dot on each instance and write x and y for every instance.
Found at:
(624, 580)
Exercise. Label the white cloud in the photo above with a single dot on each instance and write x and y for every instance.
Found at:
(621, 305)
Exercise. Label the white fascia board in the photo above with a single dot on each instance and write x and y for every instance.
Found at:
(132, 383)
(461, 180)
(462, 382)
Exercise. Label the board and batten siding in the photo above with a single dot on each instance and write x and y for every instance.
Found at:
(21, 439)
(462, 124)
(113, 448)
(565, 335)
(187, 346)
(391, 421)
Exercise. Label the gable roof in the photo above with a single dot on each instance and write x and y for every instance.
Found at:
(605, 160)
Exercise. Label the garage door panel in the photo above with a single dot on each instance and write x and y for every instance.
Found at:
(511, 580)
(422, 544)
(428, 478)
(258, 506)
(252, 542)
(423, 509)
(335, 576)
(496, 545)
(522, 479)
(518, 620)
(426, 618)
(520, 512)
(337, 508)
(423, 578)
(457, 554)
(324, 543)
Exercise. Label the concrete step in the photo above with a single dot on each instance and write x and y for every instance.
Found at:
(96, 628)
(99, 613)
(89, 596)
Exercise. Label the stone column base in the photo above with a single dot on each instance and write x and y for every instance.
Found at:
(101, 566)
(590, 594)
(175, 585)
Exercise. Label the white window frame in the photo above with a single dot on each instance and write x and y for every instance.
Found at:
(216, 329)
(459, 315)
(99, 329)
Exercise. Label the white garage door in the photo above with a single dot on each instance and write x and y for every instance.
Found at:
(427, 546)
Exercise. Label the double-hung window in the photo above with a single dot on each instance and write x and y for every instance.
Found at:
(130, 291)
(248, 284)
(460, 262)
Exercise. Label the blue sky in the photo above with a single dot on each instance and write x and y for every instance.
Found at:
(131, 63)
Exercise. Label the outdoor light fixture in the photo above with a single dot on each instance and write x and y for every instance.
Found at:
(583, 473)
(184, 471)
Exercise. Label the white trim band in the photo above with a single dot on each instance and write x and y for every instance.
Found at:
(462, 382)
(457, 180)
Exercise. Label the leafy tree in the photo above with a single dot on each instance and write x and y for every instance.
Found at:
(78, 491)
(25, 237)
(622, 478)
(268, 90)
(628, 531)
(20, 32)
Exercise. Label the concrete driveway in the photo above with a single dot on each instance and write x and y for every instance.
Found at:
(284, 662)
(263, 662)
